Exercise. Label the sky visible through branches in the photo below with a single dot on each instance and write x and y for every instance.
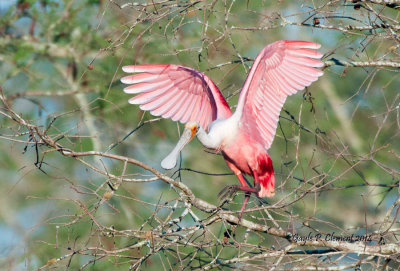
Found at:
(82, 184)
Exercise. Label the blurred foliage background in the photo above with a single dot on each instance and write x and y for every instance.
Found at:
(336, 152)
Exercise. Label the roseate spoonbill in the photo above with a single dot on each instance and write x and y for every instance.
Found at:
(189, 96)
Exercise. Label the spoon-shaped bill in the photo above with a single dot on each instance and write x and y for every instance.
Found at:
(169, 162)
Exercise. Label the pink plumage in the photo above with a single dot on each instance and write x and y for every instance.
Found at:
(186, 95)
(176, 92)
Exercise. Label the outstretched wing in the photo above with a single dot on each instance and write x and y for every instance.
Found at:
(280, 69)
(176, 92)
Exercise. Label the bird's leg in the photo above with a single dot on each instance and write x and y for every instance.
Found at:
(255, 175)
(246, 200)
(229, 190)
(257, 184)
(232, 189)
(247, 195)
(241, 178)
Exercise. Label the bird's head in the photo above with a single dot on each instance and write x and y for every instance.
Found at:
(191, 129)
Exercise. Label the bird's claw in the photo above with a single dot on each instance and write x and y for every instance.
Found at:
(228, 191)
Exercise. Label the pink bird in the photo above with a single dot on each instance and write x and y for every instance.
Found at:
(189, 96)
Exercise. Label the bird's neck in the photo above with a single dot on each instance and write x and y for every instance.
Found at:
(222, 132)
(207, 140)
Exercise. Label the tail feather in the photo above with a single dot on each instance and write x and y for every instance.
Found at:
(266, 176)
(267, 183)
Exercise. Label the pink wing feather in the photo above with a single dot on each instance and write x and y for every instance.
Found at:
(176, 92)
(280, 69)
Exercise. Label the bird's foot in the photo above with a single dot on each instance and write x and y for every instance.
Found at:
(230, 190)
